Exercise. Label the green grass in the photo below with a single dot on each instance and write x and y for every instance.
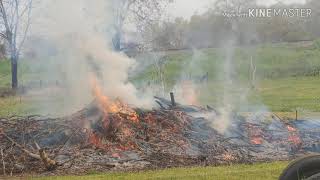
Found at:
(266, 171)
(288, 75)
(272, 61)
(283, 94)
(12, 105)
(285, 80)
(5, 75)
(288, 94)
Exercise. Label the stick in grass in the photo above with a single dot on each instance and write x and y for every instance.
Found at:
(3, 163)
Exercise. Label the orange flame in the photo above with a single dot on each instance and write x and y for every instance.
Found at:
(96, 141)
(116, 114)
(107, 105)
(255, 134)
(256, 140)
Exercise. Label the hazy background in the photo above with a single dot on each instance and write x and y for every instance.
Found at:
(187, 8)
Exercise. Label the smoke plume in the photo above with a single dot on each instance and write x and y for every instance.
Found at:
(79, 33)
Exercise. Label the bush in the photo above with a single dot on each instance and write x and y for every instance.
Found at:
(317, 44)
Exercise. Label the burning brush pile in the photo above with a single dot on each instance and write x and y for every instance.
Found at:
(110, 135)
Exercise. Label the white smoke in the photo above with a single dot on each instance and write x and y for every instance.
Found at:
(80, 32)
(187, 88)
(223, 120)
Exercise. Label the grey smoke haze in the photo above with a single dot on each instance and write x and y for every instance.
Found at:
(78, 31)
(186, 8)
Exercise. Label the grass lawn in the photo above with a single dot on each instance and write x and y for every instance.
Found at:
(266, 171)
(14, 105)
(288, 76)
(288, 94)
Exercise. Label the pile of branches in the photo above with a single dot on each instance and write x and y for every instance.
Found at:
(86, 140)
(129, 140)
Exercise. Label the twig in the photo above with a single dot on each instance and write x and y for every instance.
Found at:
(3, 163)
(35, 156)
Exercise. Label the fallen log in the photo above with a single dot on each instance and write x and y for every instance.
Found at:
(49, 163)
(35, 156)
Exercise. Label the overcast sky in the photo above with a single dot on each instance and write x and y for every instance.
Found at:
(186, 8)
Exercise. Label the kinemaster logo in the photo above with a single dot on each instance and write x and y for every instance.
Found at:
(271, 12)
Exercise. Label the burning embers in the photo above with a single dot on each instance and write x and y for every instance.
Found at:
(114, 129)
(108, 106)
(255, 134)
(121, 128)
(286, 134)
(294, 137)
(164, 137)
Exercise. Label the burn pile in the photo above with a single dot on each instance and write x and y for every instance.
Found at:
(110, 135)
(119, 138)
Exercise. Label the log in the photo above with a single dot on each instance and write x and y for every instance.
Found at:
(35, 156)
(49, 163)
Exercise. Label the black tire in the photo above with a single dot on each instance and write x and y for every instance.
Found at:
(314, 177)
(302, 168)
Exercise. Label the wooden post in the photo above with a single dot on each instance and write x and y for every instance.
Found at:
(296, 115)
(173, 102)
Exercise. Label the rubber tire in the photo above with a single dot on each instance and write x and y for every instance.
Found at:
(314, 177)
(305, 167)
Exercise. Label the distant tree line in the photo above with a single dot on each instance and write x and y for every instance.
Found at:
(212, 28)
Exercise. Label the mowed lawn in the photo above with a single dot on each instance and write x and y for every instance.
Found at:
(266, 171)
(287, 76)
(279, 95)
(288, 94)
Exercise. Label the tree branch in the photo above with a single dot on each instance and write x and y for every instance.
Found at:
(27, 26)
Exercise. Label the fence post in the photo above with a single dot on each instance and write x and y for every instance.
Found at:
(173, 102)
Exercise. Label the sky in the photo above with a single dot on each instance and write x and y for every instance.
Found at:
(186, 8)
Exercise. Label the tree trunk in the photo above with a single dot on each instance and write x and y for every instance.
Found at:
(14, 72)
(117, 42)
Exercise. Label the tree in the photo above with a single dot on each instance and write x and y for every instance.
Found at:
(139, 13)
(15, 21)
